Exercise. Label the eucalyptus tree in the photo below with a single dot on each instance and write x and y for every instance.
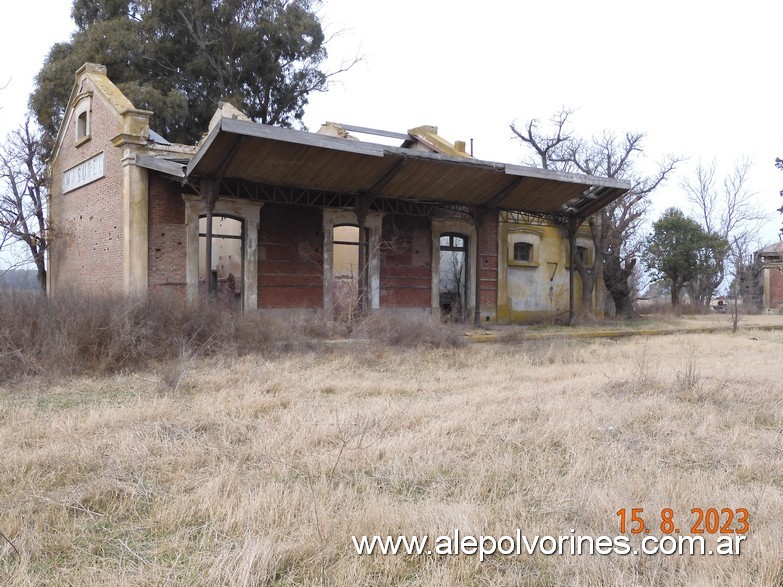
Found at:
(180, 58)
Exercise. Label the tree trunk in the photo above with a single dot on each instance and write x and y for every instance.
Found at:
(588, 285)
(41, 277)
(675, 294)
(616, 280)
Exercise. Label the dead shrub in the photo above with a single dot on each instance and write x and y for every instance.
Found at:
(72, 334)
(689, 378)
(664, 308)
(405, 331)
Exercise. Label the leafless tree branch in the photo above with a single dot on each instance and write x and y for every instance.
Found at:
(22, 195)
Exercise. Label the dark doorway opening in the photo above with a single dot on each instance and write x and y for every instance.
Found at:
(453, 276)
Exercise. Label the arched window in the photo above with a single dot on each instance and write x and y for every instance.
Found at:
(82, 129)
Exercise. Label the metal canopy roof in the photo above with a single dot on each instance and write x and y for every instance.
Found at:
(263, 154)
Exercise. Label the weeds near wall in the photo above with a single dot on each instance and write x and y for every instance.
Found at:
(393, 330)
(72, 334)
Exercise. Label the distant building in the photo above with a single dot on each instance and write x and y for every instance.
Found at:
(293, 223)
(771, 260)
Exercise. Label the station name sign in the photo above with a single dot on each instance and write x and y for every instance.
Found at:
(84, 173)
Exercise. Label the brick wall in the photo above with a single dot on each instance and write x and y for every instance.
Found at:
(87, 249)
(167, 232)
(406, 262)
(488, 265)
(290, 257)
(775, 288)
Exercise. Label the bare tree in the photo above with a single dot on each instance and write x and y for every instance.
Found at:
(725, 208)
(22, 194)
(614, 230)
(550, 147)
(616, 236)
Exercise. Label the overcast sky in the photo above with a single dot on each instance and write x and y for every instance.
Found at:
(701, 79)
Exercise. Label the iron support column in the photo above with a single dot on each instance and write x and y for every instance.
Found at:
(572, 227)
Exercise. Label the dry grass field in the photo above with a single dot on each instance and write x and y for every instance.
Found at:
(257, 470)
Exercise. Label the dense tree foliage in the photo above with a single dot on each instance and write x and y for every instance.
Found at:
(680, 250)
(179, 59)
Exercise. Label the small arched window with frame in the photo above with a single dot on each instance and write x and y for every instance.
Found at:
(83, 122)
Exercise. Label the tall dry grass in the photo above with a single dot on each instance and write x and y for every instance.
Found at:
(71, 334)
(259, 469)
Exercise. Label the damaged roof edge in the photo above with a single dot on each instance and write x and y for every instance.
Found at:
(286, 135)
(203, 147)
(404, 152)
(592, 180)
(162, 165)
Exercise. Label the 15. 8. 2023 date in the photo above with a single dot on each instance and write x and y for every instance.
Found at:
(703, 521)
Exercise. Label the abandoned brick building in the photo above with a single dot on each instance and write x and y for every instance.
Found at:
(293, 223)
(771, 260)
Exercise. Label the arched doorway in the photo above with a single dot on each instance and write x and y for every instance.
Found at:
(453, 277)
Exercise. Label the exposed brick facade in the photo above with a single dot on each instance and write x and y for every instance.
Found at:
(406, 262)
(290, 257)
(87, 255)
(488, 265)
(167, 252)
(775, 288)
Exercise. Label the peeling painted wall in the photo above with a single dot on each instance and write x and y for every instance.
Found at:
(536, 289)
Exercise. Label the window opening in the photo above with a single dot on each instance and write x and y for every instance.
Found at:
(523, 252)
(81, 126)
(226, 275)
(453, 276)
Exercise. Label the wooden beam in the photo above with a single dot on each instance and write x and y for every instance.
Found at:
(373, 131)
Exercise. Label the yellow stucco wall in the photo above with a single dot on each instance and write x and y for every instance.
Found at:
(535, 290)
